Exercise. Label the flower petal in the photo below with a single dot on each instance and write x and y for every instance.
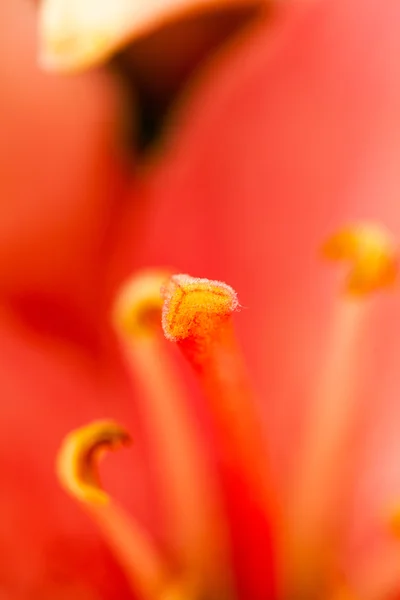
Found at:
(59, 171)
(76, 34)
(48, 547)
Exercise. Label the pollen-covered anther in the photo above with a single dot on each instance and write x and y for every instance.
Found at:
(137, 309)
(193, 307)
(79, 455)
(372, 253)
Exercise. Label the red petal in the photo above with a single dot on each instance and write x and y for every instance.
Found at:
(48, 546)
(59, 175)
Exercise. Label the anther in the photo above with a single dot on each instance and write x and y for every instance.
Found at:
(372, 255)
(77, 463)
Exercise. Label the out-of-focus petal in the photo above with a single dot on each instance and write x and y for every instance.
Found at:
(76, 34)
(48, 547)
(60, 175)
(290, 135)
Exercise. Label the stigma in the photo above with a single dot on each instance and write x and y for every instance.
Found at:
(156, 309)
(195, 307)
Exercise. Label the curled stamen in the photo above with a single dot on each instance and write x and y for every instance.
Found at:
(372, 254)
(77, 464)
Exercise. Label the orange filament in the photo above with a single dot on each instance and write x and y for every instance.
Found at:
(197, 315)
(312, 528)
(77, 468)
(372, 254)
(194, 519)
(314, 500)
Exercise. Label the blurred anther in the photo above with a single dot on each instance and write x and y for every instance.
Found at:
(372, 255)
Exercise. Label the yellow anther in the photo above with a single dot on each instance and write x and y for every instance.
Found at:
(193, 306)
(137, 310)
(372, 253)
(81, 450)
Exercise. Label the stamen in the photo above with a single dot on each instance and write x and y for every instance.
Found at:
(372, 254)
(197, 315)
(77, 468)
(314, 500)
(195, 522)
(79, 455)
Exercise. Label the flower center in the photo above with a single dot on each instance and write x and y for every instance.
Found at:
(197, 316)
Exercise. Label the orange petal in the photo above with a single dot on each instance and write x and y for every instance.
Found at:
(59, 171)
(47, 547)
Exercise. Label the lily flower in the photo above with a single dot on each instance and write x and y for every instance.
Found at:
(287, 143)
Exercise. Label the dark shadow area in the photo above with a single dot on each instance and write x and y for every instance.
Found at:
(155, 69)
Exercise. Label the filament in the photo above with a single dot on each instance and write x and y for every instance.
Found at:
(313, 507)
